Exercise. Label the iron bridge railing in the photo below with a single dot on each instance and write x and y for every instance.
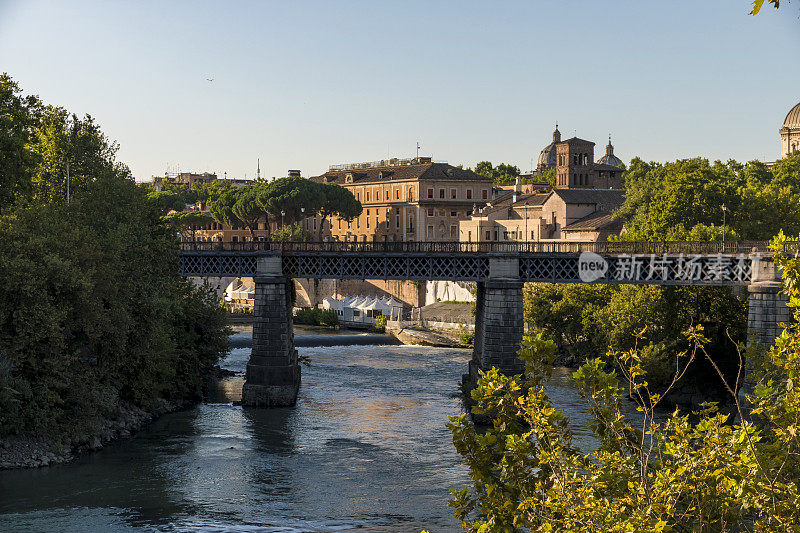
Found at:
(620, 247)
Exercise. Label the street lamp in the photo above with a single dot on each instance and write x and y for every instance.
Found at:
(303, 216)
(724, 212)
(283, 228)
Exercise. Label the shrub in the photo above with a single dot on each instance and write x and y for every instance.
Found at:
(380, 323)
(317, 317)
(704, 473)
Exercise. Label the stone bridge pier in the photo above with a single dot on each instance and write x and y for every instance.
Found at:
(498, 319)
(273, 375)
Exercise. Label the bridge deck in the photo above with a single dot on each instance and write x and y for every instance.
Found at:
(662, 263)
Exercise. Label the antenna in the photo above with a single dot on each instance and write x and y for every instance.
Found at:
(258, 172)
(417, 149)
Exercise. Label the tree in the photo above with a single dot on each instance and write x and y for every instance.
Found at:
(336, 200)
(187, 222)
(705, 473)
(18, 123)
(167, 201)
(667, 201)
(247, 206)
(502, 174)
(222, 208)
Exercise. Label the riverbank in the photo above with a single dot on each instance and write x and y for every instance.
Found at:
(424, 337)
(39, 451)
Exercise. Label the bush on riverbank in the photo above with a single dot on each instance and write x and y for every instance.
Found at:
(703, 474)
(585, 320)
(93, 311)
(315, 316)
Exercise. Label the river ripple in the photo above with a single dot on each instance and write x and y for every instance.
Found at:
(366, 448)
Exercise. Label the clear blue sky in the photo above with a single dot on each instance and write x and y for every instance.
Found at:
(308, 84)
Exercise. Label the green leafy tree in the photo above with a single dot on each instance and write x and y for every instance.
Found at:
(187, 222)
(338, 201)
(502, 174)
(222, 208)
(18, 126)
(707, 472)
(247, 207)
(167, 201)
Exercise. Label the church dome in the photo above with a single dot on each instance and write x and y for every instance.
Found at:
(547, 157)
(610, 158)
(793, 118)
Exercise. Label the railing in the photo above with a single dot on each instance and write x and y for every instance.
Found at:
(621, 247)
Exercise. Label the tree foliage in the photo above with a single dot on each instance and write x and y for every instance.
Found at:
(93, 311)
(585, 320)
(701, 473)
(684, 199)
(502, 174)
(286, 200)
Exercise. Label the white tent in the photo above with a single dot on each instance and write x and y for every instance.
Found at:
(331, 303)
(396, 307)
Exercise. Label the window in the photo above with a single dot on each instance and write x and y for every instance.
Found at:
(469, 194)
(367, 217)
(410, 223)
(411, 194)
(453, 194)
(340, 223)
(453, 232)
(358, 196)
(349, 224)
(484, 194)
(397, 221)
(315, 223)
(574, 179)
(397, 194)
(430, 211)
(441, 194)
(532, 237)
(430, 231)
(368, 196)
(430, 193)
(469, 236)
(488, 235)
(235, 238)
(358, 223)
(453, 213)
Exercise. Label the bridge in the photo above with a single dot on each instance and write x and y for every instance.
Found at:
(499, 269)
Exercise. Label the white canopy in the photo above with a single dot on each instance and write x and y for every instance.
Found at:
(358, 302)
(332, 303)
(394, 303)
(369, 303)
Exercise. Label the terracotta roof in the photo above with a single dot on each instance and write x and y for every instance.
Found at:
(590, 196)
(427, 171)
(596, 221)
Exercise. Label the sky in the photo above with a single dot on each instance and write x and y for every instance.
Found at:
(304, 85)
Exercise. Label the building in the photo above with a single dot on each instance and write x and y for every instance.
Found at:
(578, 208)
(405, 200)
(790, 132)
(190, 178)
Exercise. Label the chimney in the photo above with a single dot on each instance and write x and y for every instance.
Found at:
(517, 189)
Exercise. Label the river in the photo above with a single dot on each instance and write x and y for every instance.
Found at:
(365, 449)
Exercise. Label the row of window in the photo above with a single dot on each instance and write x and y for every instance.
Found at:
(375, 194)
(454, 194)
(577, 159)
